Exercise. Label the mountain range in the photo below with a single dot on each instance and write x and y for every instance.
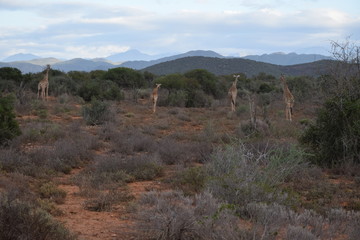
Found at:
(174, 63)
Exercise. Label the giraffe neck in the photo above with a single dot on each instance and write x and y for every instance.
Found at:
(46, 77)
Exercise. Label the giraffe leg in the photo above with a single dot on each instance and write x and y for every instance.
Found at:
(232, 104)
(154, 104)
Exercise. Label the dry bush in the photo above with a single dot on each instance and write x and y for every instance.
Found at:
(171, 215)
(109, 172)
(190, 180)
(50, 191)
(132, 140)
(298, 233)
(201, 151)
(108, 131)
(66, 153)
(16, 186)
(240, 175)
(62, 155)
(39, 132)
(20, 220)
(173, 152)
(143, 167)
(104, 201)
(269, 219)
(13, 161)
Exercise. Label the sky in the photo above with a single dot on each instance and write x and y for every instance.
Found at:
(67, 29)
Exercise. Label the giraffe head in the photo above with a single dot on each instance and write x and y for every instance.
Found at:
(236, 78)
(47, 68)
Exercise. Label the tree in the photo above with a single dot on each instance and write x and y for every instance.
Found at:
(9, 128)
(335, 136)
(172, 82)
(11, 80)
(126, 77)
(207, 81)
(9, 73)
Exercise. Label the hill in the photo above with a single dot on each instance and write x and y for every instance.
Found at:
(143, 64)
(225, 66)
(30, 63)
(79, 64)
(287, 59)
(24, 67)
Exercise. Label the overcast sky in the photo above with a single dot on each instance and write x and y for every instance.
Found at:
(99, 28)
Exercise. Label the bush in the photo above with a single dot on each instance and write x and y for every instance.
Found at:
(191, 180)
(51, 191)
(335, 137)
(96, 113)
(112, 171)
(170, 215)
(131, 140)
(105, 200)
(172, 152)
(240, 175)
(19, 220)
(9, 128)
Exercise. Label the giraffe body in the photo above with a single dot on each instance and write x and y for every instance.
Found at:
(233, 93)
(43, 86)
(154, 96)
(288, 99)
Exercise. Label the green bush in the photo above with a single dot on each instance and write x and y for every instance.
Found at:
(335, 136)
(9, 128)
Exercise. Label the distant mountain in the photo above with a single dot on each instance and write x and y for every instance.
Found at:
(287, 59)
(208, 60)
(20, 57)
(130, 55)
(143, 64)
(225, 66)
(79, 64)
(44, 61)
(24, 67)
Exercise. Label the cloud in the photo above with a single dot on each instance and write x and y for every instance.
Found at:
(98, 28)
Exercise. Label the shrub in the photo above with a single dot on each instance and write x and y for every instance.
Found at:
(172, 152)
(19, 220)
(335, 137)
(51, 191)
(131, 140)
(240, 175)
(170, 215)
(96, 113)
(105, 200)
(298, 233)
(17, 186)
(111, 171)
(9, 128)
(191, 180)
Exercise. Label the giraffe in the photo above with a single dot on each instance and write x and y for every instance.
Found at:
(233, 92)
(44, 85)
(288, 98)
(154, 96)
